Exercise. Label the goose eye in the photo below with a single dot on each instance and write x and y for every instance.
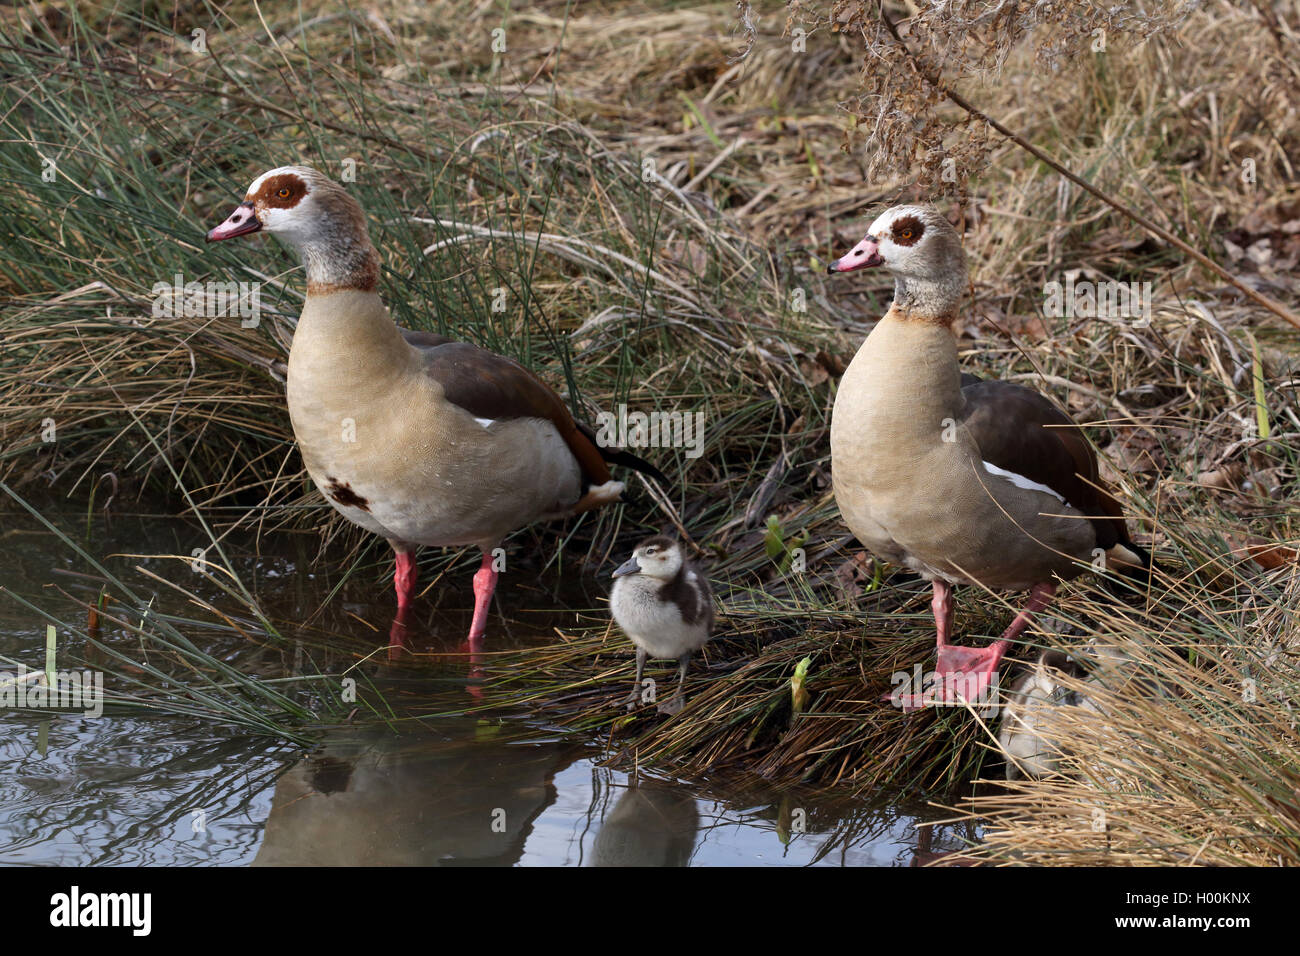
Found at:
(906, 234)
(283, 192)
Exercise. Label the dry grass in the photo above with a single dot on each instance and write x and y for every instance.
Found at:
(524, 170)
(1190, 761)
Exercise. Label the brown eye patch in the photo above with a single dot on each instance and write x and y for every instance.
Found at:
(907, 231)
(280, 192)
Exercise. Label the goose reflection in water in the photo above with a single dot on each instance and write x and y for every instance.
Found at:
(377, 799)
(653, 824)
(463, 793)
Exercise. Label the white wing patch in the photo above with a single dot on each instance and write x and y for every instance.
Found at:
(608, 492)
(485, 422)
(1020, 481)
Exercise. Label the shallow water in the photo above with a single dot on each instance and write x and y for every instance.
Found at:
(77, 790)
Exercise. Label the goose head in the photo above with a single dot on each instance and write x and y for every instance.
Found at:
(313, 215)
(911, 241)
(920, 248)
(659, 557)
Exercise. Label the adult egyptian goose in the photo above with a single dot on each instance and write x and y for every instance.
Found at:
(411, 435)
(665, 606)
(962, 480)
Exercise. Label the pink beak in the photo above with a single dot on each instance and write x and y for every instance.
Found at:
(864, 255)
(239, 223)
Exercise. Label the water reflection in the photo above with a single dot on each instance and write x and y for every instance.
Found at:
(77, 791)
(446, 791)
(456, 795)
(654, 824)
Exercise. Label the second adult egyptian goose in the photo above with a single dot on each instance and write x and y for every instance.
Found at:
(408, 434)
(962, 480)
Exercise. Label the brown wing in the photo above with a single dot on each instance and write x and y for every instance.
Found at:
(423, 340)
(488, 385)
(695, 602)
(1020, 431)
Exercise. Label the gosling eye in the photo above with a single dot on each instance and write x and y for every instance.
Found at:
(283, 192)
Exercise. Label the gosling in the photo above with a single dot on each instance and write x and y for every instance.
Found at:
(1031, 749)
(664, 604)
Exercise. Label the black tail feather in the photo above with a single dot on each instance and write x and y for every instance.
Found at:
(617, 456)
(1127, 582)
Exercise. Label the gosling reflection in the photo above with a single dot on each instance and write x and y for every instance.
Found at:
(653, 824)
(460, 796)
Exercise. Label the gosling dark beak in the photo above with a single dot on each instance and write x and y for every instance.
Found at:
(627, 567)
(239, 223)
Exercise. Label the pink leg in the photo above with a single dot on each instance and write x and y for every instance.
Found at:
(941, 606)
(1039, 597)
(485, 583)
(404, 575)
(474, 674)
(965, 673)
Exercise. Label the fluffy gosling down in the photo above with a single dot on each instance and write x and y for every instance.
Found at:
(664, 604)
(1030, 749)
